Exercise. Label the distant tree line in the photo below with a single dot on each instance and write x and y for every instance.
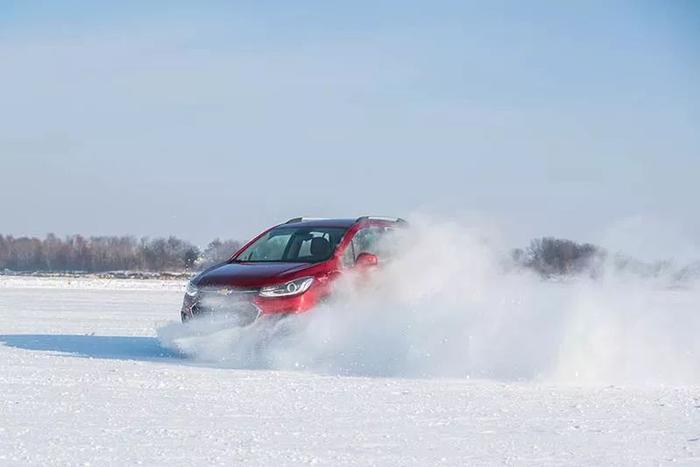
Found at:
(549, 257)
(109, 253)
(546, 256)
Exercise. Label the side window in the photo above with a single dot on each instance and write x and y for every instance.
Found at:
(348, 258)
(371, 240)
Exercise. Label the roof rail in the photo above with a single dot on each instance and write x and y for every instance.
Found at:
(397, 220)
(303, 219)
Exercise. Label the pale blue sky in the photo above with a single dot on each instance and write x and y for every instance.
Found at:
(206, 119)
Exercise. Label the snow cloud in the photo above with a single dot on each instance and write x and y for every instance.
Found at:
(448, 306)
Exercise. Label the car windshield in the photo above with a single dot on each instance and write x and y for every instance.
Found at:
(293, 245)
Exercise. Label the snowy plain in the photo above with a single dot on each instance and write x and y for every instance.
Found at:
(85, 381)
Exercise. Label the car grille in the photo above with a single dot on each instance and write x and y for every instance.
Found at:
(228, 304)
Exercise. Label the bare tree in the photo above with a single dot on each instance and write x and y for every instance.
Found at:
(552, 256)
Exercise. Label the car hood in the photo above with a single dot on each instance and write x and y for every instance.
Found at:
(248, 274)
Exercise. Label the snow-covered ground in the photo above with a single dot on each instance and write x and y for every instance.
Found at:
(84, 381)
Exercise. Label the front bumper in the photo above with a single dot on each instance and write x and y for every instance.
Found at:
(247, 306)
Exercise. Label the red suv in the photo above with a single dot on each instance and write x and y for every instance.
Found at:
(288, 268)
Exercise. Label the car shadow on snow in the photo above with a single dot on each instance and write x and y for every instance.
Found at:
(89, 346)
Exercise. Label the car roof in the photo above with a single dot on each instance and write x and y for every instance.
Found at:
(338, 222)
(299, 222)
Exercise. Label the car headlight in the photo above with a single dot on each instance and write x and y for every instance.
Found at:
(191, 289)
(288, 289)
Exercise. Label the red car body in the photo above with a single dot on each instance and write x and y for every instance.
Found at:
(239, 286)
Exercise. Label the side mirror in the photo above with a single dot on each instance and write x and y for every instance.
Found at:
(366, 260)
